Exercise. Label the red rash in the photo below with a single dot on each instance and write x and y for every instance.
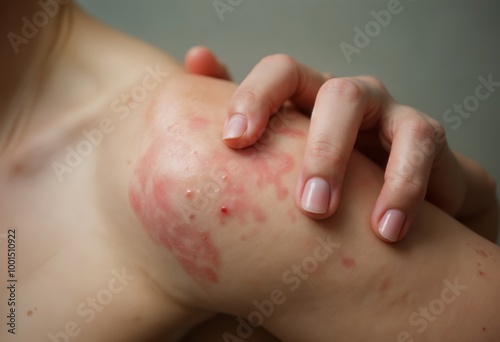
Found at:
(481, 253)
(348, 262)
(180, 191)
(151, 198)
(198, 123)
(385, 285)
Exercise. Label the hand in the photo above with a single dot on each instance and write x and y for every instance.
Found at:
(346, 112)
(201, 61)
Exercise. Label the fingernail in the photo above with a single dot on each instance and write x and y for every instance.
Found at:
(390, 225)
(316, 196)
(235, 127)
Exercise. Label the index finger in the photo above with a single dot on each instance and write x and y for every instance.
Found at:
(272, 81)
(201, 60)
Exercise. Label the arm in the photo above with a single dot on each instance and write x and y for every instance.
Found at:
(334, 279)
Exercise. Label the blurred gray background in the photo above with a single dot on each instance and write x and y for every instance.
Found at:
(430, 55)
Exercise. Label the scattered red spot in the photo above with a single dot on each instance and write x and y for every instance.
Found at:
(348, 262)
(128, 100)
(481, 253)
(384, 285)
(158, 194)
(30, 313)
(481, 273)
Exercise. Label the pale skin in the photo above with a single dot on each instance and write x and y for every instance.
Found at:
(120, 225)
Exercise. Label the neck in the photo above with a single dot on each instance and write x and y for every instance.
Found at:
(28, 54)
(59, 80)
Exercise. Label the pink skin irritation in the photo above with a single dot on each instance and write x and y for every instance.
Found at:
(481, 253)
(348, 262)
(384, 285)
(150, 197)
(179, 193)
(198, 123)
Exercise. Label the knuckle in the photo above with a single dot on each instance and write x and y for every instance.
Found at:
(421, 129)
(375, 82)
(424, 128)
(245, 95)
(343, 88)
(439, 134)
(280, 58)
(326, 152)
